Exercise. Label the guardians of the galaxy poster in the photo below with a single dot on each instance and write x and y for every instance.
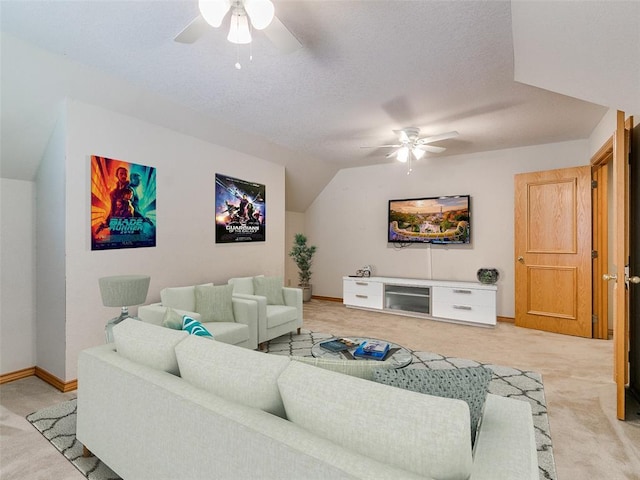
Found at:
(240, 210)
(123, 204)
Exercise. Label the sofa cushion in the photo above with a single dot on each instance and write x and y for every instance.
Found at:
(172, 319)
(237, 374)
(194, 327)
(182, 298)
(214, 303)
(423, 434)
(360, 368)
(148, 344)
(280, 314)
(227, 332)
(270, 287)
(243, 285)
(469, 384)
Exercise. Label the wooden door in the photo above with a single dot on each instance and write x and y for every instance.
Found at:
(634, 260)
(553, 250)
(620, 259)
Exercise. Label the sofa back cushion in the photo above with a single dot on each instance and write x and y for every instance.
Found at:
(420, 433)
(237, 374)
(243, 285)
(148, 344)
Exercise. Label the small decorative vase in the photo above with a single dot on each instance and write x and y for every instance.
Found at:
(488, 275)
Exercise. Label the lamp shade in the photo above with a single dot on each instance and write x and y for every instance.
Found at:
(239, 29)
(124, 290)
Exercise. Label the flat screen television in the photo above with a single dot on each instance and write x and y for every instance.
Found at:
(437, 220)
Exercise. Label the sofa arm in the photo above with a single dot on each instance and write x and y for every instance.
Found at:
(506, 446)
(154, 313)
(246, 312)
(261, 303)
(293, 298)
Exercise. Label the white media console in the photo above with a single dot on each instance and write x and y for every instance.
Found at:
(462, 302)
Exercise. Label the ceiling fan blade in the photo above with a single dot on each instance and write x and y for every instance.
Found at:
(437, 138)
(392, 154)
(192, 32)
(402, 135)
(281, 37)
(381, 146)
(431, 148)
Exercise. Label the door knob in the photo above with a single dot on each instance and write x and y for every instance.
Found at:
(521, 259)
(633, 279)
(607, 277)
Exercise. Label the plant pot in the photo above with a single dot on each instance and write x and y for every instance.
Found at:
(306, 292)
(488, 276)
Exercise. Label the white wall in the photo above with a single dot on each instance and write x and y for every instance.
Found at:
(348, 220)
(50, 254)
(17, 272)
(186, 252)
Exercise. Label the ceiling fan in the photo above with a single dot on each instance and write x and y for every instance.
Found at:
(410, 146)
(260, 14)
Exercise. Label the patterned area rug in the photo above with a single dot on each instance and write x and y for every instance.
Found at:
(58, 423)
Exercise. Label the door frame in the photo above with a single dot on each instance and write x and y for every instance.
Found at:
(600, 235)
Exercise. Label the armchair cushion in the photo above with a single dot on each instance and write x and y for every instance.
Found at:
(242, 285)
(194, 327)
(280, 314)
(172, 319)
(269, 287)
(182, 298)
(214, 303)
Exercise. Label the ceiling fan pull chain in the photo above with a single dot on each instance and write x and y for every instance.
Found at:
(238, 66)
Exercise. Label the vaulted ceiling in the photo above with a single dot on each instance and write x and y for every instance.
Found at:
(364, 69)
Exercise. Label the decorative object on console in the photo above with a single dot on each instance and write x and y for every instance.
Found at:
(302, 255)
(488, 276)
(122, 291)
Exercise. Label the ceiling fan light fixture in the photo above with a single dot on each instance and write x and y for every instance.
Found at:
(260, 12)
(214, 11)
(239, 29)
(403, 154)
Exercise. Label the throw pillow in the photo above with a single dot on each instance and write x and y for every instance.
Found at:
(468, 384)
(270, 287)
(172, 319)
(215, 303)
(194, 327)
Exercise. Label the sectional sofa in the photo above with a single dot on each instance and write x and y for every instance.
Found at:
(162, 404)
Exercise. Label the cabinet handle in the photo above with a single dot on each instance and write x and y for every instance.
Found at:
(362, 283)
(462, 291)
(462, 307)
(362, 296)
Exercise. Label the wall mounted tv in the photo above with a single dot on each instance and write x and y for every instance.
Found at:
(437, 220)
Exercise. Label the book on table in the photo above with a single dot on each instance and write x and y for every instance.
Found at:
(373, 349)
(338, 344)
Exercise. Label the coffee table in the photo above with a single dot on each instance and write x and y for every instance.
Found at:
(398, 356)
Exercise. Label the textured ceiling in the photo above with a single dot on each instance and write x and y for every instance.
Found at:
(365, 68)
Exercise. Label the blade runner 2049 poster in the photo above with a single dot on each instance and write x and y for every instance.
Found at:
(123, 204)
(240, 210)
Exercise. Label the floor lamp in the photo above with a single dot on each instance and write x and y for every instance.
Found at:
(122, 291)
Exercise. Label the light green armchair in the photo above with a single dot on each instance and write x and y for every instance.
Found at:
(279, 307)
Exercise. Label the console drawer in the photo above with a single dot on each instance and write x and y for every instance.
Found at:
(464, 296)
(362, 300)
(361, 292)
(467, 313)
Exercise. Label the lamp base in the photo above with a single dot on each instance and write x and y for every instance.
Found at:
(108, 328)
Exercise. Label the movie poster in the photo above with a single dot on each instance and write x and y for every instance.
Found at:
(240, 210)
(123, 204)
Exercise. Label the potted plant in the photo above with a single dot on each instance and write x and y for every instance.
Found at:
(302, 255)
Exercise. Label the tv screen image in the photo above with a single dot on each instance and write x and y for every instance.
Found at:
(438, 220)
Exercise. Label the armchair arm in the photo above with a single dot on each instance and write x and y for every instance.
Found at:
(154, 313)
(246, 312)
(261, 304)
(293, 298)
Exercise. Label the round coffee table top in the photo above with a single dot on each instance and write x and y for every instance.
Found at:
(398, 356)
